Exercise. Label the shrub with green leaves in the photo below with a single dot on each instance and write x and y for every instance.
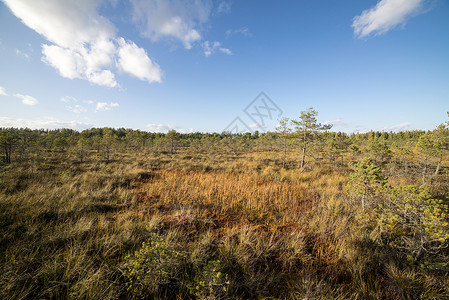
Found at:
(414, 220)
(210, 283)
(156, 263)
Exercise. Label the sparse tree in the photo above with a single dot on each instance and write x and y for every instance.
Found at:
(283, 129)
(171, 137)
(307, 128)
(8, 139)
(108, 141)
(429, 148)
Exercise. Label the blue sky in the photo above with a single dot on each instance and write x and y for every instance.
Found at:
(196, 65)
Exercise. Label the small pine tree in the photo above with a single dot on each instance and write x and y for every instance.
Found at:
(366, 179)
(284, 130)
(307, 128)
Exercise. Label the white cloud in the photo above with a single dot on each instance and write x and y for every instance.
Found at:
(3, 91)
(224, 7)
(67, 23)
(27, 100)
(85, 44)
(23, 55)
(254, 125)
(386, 15)
(104, 106)
(163, 128)
(77, 109)
(337, 122)
(48, 123)
(398, 127)
(135, 61)
(212, 47)
(83, 63)
(176, 19)
(243, 31)
(68, 99)
(225, 51)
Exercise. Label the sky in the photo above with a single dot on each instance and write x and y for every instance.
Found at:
(223, 65)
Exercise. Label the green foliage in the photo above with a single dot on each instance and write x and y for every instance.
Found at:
(366, 179)
(380, 151)
(8, 139)
(414, 219)
(428, 145)
(156, 263)
(337, 145)
(210, 283)
(307, 128)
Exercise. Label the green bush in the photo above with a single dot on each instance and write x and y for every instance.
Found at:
(155, 264)
(414, 220)
(210, 283)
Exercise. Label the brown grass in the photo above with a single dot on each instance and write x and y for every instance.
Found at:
(67, 230)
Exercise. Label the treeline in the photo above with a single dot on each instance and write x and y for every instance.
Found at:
(15, 143)
(312, 142)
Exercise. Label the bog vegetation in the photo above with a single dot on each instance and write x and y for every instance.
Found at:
(301, 213)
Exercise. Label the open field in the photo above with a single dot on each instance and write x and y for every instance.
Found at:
(150, 224)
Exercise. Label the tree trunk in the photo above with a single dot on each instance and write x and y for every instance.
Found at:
(285, 154)
(303, 159)
(8, 153)
(424, 172)
(438, 165)
(107, 155)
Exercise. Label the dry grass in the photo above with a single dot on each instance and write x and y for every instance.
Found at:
(66, 230)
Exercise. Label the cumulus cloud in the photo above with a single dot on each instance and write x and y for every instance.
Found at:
(212, 47)
(135, 61)
(3, 91)
(84, 43)
(176, 19)
(48, 123)
(82, 64)
(386, 15)
(104, 106)
(27, 100)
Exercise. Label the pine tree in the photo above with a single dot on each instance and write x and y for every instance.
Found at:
(283, 129)
(307, 128)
